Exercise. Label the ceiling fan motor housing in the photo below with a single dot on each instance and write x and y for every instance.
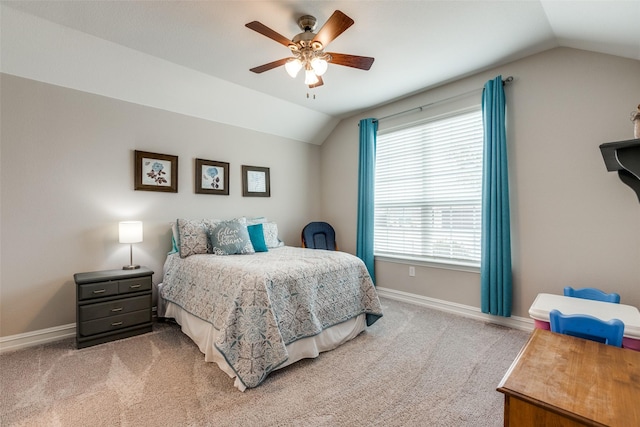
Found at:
(305, 39)
(307, 23)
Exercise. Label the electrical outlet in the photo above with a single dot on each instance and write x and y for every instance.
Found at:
(412, 271)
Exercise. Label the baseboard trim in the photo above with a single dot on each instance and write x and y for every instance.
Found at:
(514, 322)
(42, 336)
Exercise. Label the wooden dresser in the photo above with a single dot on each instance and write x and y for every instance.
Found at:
(562, 381)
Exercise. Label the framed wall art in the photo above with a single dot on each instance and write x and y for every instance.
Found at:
(255, 181)
(212, 177)
(155, 172)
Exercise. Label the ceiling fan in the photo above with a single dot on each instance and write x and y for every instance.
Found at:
(308, 48)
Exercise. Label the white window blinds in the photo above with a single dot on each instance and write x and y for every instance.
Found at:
(428, 190)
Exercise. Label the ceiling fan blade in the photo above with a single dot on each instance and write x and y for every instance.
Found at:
(335, 25)
(320, 83)
(269, 66)
(268, 32)
(361, 62)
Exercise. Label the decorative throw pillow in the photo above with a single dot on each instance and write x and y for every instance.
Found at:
(193, 236)
(271, 235)
(256, 234)
(175, 244)
(230, 237)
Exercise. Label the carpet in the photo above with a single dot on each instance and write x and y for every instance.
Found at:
(414, 367)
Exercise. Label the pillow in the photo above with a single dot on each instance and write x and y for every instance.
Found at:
(271, 235)
(230, 238)
(175, 243)
(192, 236)
(256, 220)
(256, 234)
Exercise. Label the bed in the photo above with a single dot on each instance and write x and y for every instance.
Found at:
(252, 313)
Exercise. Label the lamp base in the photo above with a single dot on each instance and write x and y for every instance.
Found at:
(130, 267)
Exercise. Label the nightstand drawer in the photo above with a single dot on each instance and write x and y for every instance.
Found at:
(97, 290)
(113, 323)
(114, 308)
(134, 285)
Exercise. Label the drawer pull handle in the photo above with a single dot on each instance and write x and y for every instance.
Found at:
(116, 324)
(116, 309)
(135, 286)
(99, 291)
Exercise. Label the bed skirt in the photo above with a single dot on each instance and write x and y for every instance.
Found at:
(204, 335)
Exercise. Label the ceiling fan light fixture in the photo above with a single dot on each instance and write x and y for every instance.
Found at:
(319, 66)
(293, 66)
(307, 48)
(310, 78)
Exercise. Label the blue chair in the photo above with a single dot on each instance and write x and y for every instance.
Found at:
(319, 235)
(587, 327)
(592, 293)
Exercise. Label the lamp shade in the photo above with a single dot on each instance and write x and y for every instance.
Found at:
(130, 231)
(319, 66)
(293, 66)
(310, 77)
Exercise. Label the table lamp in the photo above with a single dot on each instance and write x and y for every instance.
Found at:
(130, 232)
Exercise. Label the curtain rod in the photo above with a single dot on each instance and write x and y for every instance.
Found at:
(422, 107)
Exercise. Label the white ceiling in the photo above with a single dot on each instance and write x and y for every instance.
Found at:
(417, 44)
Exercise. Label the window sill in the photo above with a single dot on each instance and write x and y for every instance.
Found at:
(469, 268)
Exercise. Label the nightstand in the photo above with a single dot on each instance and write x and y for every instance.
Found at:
(112, 304)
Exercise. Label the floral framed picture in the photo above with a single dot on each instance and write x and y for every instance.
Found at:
(212, 177)
(155, 172)
(255, 181)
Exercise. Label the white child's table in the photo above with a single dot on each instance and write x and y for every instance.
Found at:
(629, 315)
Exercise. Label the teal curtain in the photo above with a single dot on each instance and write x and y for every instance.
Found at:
(495, 266)
(366, 178)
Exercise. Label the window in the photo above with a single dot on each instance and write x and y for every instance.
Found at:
(428, 190)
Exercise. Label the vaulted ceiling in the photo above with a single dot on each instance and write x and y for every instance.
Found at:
(416, 44)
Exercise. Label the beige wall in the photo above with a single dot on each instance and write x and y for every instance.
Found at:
(573, 223)
(66, 168)
(67, 179)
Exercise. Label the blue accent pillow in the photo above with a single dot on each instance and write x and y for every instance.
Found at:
(256, 234)
(174, 246)
(230, 238)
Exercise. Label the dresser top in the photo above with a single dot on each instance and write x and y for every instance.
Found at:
(106, 275)
(592, 383)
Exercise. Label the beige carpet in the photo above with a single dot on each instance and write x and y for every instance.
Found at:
(414, 367)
